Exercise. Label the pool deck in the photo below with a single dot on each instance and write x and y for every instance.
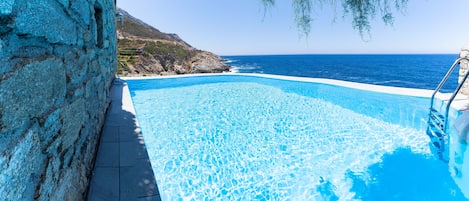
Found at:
(122, 169)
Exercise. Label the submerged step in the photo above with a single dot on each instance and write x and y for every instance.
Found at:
(436, 124)
(435, 133)
(436, 113)
(437, 144)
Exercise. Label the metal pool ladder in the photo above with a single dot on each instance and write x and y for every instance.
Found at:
(438, 122)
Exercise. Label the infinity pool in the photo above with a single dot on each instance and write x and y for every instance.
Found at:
(242, 137)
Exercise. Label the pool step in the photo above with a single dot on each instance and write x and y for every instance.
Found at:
(437, 118)
(436, 132)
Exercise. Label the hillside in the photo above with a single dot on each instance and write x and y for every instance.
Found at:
(144, 50)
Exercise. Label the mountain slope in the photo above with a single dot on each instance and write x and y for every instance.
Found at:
(144, 50)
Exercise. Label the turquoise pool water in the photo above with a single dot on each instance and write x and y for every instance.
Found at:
(234, 137)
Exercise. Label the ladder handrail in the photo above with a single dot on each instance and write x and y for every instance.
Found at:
(435, 119)
(443, 81)
(455, 93)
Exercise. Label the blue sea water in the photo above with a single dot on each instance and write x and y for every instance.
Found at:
(422, 71)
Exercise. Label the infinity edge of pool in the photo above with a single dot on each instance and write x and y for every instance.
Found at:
(355, 85)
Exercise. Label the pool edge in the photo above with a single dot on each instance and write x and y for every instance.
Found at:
(349, 84)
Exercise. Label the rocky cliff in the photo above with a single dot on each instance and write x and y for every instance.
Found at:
(144, 50)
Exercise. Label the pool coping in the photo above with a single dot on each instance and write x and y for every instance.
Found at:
(355, 85)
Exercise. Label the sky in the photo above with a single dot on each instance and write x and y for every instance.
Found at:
(245, 27)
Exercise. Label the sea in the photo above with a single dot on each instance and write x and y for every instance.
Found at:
(421, 71)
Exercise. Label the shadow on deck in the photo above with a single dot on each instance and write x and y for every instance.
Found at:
(122, 170)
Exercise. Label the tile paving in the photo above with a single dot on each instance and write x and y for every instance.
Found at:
(122, 169)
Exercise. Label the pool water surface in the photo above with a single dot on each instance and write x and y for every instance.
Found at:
(250, 138)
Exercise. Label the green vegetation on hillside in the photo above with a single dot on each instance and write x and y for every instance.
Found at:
(167, 49)
(130, 51)
(126, 53)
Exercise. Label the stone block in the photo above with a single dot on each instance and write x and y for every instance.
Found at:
(25, 47)
(52, 127)
(6, 7)
(38, 86)
(2, 44)
(463, 68)
(5, 24)
(51, 177)
(464, 52)
(72, 118)
(37, 13)
(82, 7)
(88, 148)
(22, 171)
(69, 185)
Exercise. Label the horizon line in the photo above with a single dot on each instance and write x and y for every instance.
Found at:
(342, 53)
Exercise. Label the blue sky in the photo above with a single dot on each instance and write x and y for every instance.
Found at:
(241, 27)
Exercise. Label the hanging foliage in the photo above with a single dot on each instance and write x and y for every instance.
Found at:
(361, 11)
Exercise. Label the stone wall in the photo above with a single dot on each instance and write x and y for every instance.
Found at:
(57, 62)
(464, 66)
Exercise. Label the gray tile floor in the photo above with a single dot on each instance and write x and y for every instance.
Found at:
(122, 169)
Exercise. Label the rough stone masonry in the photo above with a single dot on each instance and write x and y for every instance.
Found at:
(57, 62)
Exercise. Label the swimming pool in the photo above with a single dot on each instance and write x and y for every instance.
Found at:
(246, 137)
